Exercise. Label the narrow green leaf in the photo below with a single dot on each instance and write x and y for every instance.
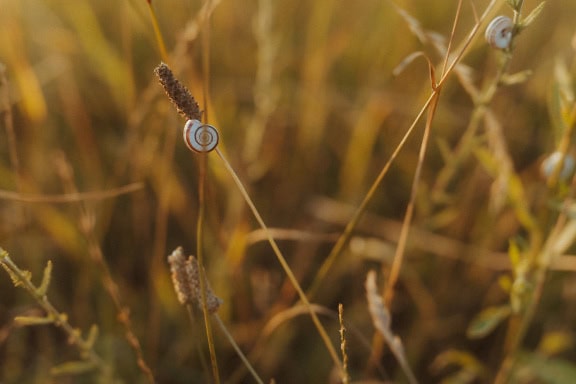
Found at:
(487, 160)
(516, 78)
(505, 282)
(455, 357)
(555, 342)
(24, 321)
(514, 253)
(92, 336)
(72, 368)
(43, 288)
(469, 368)
(517, 198)
(487, 320)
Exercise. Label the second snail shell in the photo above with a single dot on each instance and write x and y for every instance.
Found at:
(499, 32)
(551, 162)
(200, 137)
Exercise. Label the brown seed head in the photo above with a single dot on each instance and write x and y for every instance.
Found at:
(178, 94)
(186, 280)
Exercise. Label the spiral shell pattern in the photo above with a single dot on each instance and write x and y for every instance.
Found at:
(499, 32)
(200, 137)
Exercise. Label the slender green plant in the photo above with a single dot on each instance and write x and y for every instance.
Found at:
(90, 360)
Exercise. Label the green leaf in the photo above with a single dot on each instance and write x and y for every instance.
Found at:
(92, 336)
(505, 282)
(457, 357)
(555, 342)
(516, 78)
(535, 368)
(469, 367)
(72, 368)
(460, 377)
(25, 321)
(487, 160)
(43, 288)
(517, 198)
(514, 254)
(487, 320)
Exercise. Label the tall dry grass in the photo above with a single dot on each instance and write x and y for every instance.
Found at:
(94, 177)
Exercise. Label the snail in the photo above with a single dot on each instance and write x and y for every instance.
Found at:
(550, 163)
(499, 32)
(200, 137)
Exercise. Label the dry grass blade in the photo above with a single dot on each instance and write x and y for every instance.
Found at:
(285, 265)
(157, 32)
(382, 321)
(71, 197)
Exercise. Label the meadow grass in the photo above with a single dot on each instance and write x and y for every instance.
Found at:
(383, 204)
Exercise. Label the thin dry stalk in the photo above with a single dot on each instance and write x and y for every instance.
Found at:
(201, 195)
(157, 32)
(237, 349)
(284, 264)
(346, 378)
(200, 253)
(6, 118)
(71, 197)
(283, 317)
(187, 280)
(401, 248)
(265, 94)
(86, 223)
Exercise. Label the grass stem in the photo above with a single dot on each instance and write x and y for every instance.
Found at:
(284, 264)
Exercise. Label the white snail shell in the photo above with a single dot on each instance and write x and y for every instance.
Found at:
(200, 137)
(550, 163)
(499, 32)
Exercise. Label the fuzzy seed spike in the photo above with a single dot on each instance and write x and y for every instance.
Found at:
(178, 94)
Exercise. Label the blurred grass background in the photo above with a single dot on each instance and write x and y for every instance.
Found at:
(308, 111)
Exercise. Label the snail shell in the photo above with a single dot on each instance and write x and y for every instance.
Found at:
(200, 137)
(550, 163)
(499, 32)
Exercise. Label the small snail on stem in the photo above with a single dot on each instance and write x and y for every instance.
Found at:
(499, 32)
(200, 137)
(197, 136)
